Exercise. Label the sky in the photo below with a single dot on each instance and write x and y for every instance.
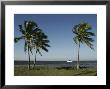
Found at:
(58, 27)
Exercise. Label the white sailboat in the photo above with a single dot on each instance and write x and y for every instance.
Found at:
(69, 61)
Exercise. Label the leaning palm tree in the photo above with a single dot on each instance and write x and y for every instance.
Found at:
(82, 34)
(27, 29)
(40, 43)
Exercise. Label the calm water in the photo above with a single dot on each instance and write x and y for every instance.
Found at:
(88, 64)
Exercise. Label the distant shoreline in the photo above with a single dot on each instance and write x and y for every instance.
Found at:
(58, 60)
(87, 64)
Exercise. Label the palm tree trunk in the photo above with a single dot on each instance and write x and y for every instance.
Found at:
(29, 59)
(78, 56)
(34, 61)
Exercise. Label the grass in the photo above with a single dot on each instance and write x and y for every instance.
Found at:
(58, 71)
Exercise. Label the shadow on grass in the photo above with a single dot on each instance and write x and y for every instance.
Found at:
(59, 68)
(67, 68)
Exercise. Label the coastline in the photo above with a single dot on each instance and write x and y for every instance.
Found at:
(85, 64)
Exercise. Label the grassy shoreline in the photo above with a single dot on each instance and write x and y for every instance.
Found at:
(57, 71)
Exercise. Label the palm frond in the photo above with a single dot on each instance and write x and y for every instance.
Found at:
(82, 34)
(90, 33)
(44, 48)
(39, 52)
(88, 39)
(46, 45)
(16, 39)
(75, 32)
(45, 41)
(89, 44)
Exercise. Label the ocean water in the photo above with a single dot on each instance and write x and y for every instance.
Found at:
(86, 64)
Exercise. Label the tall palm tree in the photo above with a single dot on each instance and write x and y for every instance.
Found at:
(82, 34)
(40, 42)
(27, 29)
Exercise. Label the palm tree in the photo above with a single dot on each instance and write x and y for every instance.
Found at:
(40, 42)
(27, 29)
(82, 35)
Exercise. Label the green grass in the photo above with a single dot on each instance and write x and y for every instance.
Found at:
(59, 71)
